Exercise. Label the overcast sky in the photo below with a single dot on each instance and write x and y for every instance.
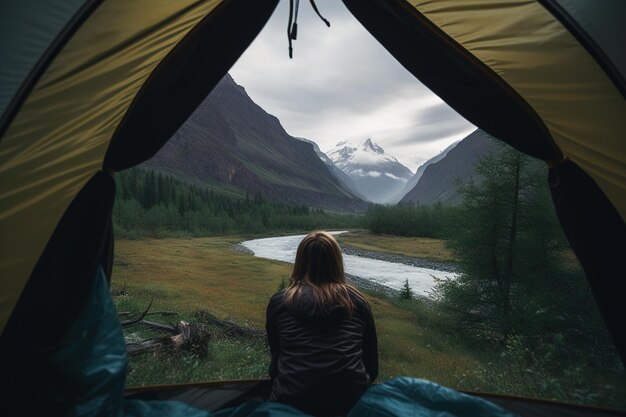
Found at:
(342, 84)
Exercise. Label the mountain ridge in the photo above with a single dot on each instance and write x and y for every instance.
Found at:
(438, 181)
(232, 140)
(411, 183)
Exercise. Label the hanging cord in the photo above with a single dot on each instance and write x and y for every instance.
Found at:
(292, 25)
(318, 13)
(289, 28)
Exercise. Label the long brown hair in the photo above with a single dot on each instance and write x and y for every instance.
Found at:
(319, 265)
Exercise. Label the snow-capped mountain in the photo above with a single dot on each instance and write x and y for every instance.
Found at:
(378, 176)
(344, 179)
(420, 171)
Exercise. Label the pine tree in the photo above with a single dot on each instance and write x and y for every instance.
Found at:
(406, 293)
(161, 190)
(510, 247)
(133, 188)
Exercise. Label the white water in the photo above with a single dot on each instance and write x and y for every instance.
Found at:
(391, 274)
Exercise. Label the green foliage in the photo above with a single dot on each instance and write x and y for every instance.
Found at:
(409, 219)
(155, 204)
(406, 293)
(516, 278)
(530, 372)
(282, 285)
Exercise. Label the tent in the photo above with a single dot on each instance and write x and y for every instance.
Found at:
(93, 86)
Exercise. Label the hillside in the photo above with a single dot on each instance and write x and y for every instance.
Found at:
(231, 141)
(412, 182)
(437, 182)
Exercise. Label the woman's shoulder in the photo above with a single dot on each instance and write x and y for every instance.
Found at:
(277, 297)
(276, 300)
(358, 298)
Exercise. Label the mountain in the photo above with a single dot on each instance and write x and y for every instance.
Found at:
(343, 178)
(230, 142)
(437, 183)
(377, 175)
(420, 171)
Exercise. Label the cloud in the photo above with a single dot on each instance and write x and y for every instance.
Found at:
(393, 177)
(342, 84)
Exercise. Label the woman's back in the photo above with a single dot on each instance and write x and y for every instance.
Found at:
(323, 359)
(321, 333)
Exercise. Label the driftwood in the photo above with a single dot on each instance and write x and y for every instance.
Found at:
(182, 336)
(160, 326)
(150, 313)
(229, 329)
(138, 319)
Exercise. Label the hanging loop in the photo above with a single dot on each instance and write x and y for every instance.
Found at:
(292, 25)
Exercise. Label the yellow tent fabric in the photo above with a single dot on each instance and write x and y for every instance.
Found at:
(537, 56)
(59, 138)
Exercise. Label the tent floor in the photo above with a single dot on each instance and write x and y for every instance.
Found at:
(213, 396)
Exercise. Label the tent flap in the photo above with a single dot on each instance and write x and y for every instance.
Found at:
(462, 81)
(184, 78)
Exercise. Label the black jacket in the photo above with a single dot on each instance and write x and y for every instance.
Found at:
(322, 362)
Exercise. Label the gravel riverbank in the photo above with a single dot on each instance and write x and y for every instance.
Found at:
(371, 286)
(401, 259)
(241, 249)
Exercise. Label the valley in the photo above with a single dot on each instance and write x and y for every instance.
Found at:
(448, 233)
(195, 275)
(231, 144)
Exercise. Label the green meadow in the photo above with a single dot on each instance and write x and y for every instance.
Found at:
(195, 276)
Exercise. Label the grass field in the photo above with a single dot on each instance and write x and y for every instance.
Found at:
(205, 274)
(418, 247)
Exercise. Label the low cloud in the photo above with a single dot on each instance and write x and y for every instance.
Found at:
(393, 177)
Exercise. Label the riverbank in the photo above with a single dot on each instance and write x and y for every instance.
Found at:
(361, 283)
(366, 284)
(401, 259)
(190, 276)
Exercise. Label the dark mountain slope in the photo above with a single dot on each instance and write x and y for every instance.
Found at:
(437, 183)
(232, 141)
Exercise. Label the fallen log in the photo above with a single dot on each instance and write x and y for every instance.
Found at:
(186, 336)
(160, 326)
(150, 313)
(229, 329)
(138, 319)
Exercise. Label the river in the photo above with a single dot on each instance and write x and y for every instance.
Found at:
(390, 274)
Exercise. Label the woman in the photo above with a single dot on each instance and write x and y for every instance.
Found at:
(321, 334)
